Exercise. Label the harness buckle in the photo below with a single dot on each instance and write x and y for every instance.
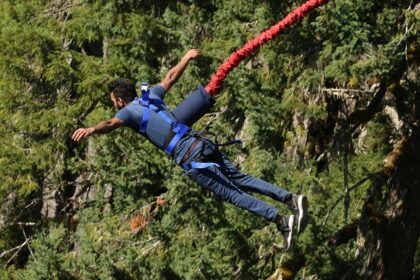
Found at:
(144, 86)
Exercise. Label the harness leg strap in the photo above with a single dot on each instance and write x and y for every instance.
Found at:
(198, 165)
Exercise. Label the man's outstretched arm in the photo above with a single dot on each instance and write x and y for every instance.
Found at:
(101, 128)
(177, 71)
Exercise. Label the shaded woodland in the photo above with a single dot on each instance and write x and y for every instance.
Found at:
(329, 109)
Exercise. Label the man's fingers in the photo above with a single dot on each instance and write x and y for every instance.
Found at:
(74, 134)
(193, 53)
(78, 134)
(77, 138)
(82, 134)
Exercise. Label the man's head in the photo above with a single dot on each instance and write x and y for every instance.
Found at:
(122, 92)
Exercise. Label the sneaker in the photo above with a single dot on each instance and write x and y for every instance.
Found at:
(298, 204)
(286, 228)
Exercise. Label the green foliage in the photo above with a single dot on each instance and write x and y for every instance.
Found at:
(55, 62)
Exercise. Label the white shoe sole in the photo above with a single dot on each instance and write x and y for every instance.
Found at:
(303, 213)
(290, 223)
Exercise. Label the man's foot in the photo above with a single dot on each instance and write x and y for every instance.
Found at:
(285, 226)
(298, 204)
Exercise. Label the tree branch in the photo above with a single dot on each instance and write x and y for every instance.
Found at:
(13, 249)
(27, 243)
(358, 184)
(60, 8)
(17, 249)
(360, 117)
(80, 119)
(288, 269)
(344, 234)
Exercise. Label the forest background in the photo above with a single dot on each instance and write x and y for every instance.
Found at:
(329, 109)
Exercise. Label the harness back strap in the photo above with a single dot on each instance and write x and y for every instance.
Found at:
(178, 129)
(158, 107)
(145, 102)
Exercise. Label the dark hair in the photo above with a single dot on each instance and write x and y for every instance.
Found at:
(122, 88)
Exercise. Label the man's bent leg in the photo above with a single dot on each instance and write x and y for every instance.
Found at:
(214, 180)
(252, 184)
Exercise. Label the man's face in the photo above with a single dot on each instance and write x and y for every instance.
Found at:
(118, 102)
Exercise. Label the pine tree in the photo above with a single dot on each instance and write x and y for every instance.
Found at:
(320, 108)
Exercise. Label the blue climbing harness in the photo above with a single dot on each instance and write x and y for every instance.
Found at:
(159, 107)
(178, 129)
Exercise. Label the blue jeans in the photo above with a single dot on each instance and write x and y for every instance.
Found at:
(228, 183)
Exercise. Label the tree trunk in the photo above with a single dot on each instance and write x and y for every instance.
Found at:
(391, 237)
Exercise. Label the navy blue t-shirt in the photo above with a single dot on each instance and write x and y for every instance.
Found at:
(157, 129)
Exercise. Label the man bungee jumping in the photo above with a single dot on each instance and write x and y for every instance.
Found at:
(198, 156)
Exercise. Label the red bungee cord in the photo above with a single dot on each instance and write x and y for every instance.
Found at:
(216, 82)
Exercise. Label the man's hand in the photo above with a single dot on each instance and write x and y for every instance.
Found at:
(177, 71)
(82, 133)
(101, 128)
(192, 54)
